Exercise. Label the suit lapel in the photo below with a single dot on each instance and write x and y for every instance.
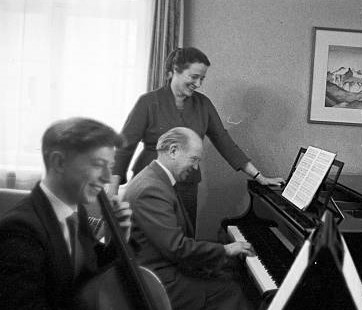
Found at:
(189, 228)
(57, 247)
(181, 212)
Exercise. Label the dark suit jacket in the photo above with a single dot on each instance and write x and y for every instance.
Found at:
(155, 113)
(162, 230)
(35, 266)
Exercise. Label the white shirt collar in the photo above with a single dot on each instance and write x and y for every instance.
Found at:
(61, 209)
(169, 174)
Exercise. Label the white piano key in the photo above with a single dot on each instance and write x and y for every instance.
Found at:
(256, 268)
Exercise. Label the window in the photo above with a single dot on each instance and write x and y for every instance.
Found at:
(62, 58)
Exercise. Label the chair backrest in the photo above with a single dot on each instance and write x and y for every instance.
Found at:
(9, 198)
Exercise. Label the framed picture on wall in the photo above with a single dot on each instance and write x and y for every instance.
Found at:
(336, 87)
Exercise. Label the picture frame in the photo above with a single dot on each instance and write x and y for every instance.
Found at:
(336, 84)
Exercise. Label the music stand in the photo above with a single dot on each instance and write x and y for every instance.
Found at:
(325, 190)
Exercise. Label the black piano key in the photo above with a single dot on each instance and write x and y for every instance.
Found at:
(272, 253)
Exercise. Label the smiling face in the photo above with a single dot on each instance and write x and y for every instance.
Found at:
(85, 174)
(185, 83)
(187, 159)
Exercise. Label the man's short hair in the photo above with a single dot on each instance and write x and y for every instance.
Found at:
(178, 135)
(78, 135)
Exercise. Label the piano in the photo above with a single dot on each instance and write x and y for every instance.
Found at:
(277, 230)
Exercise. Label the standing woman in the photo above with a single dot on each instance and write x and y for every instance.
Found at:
(178, 104)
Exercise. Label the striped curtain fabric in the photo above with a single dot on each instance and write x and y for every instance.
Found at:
(167, 34)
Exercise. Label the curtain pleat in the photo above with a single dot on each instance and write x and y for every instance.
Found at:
(167, 34)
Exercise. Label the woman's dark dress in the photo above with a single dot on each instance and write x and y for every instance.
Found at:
(154, 114)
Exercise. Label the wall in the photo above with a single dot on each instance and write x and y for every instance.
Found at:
(259, 80)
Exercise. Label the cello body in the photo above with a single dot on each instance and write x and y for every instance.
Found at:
(108, 291)
(124, 285)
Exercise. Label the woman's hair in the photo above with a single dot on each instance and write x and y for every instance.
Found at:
(78, 135)
(181, 58)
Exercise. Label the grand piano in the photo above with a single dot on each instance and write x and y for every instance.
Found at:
(277, 230)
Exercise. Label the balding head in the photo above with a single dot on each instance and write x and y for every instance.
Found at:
(181, 136)
(180, 150)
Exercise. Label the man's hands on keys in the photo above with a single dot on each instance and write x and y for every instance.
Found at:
(239, 248)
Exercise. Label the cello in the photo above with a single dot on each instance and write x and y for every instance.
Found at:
(125, 285)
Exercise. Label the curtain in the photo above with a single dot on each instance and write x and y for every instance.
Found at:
(167, 34)
(63, 58)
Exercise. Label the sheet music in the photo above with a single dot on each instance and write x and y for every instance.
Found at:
(308, 176)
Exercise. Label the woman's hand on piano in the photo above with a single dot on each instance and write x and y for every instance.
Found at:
(270, 181)
(239, 248)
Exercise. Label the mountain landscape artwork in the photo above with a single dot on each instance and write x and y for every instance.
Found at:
(336, 84)
(344, 77)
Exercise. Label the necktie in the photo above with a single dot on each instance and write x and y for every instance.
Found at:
(77, 251)
(189, 228)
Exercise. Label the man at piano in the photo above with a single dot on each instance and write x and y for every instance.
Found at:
(40, 268)
(192, 271)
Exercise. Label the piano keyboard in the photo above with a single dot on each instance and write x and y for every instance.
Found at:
(258, 271)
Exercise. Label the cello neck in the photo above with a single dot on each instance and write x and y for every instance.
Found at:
(126, 262)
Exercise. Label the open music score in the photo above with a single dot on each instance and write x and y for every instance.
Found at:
(308, 176)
